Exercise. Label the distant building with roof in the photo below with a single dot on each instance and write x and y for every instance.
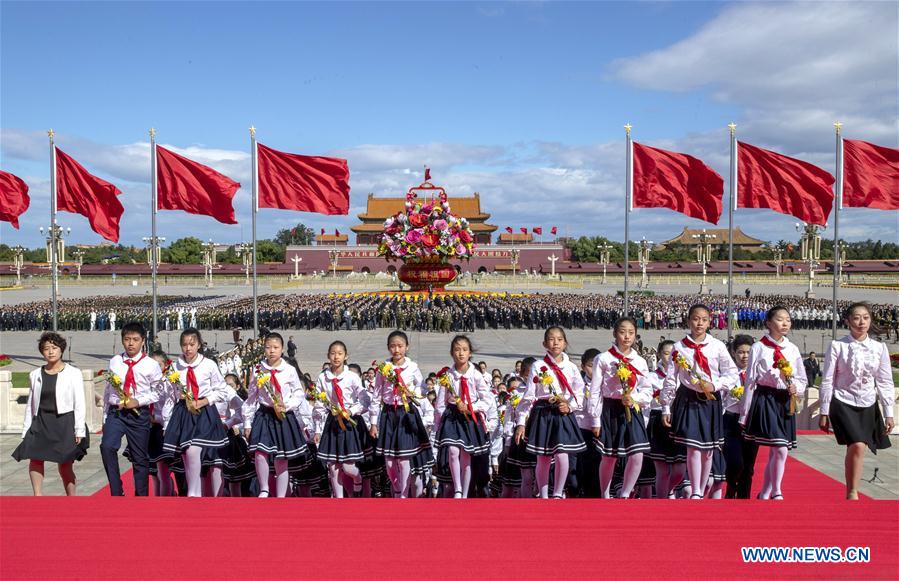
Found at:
(741, 240)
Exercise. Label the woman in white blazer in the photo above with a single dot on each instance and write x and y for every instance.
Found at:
(54, 418)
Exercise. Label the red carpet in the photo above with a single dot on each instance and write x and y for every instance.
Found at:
(128, 538)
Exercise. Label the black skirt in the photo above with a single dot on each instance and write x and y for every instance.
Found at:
(550, 432)
(238, 463)
(509, 474)
(308, 470)
(51, 438)
(769, 422)
(647, 473)
(661, 447)
(853, 424)
(697, 422)
(401, 434)
(277, 438)
(186, 429)
(518, 453)
(422, 462)
(619, 437)
(456, 430)
(350, 445)
(719, 466)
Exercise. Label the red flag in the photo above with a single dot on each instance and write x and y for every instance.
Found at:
(766, 179)
(323, 231)
(509, 229)
(427, 174)
(870, 176)
(524, 230)
(14, 198)
(186, 185)
(79, 192)
(679, 182)
(304, 183)
(538, 230)
(336, 232)
(553, 231)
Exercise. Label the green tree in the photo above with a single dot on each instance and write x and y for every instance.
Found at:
(184, 251)
(269, 251)
(298, 235)
(229, 256)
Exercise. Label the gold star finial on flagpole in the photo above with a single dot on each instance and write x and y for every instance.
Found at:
(733, 127)
(627, 128)
(838, 127)
(252, 131)
(152, 133)
(51, 133)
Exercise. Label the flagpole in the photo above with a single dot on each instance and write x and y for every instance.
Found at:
(154, 241)
(628, 191)
(255, 208)
(54, 234)
(838, 205)
(730, 230)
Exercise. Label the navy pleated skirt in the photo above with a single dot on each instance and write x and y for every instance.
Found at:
(719, 466)
(509, 474)
(278, 438)
(456, 430)
(618, 436)
(647, 473)
(402, 434)
(769, 422)
(185, 429)
(853, 424)
(350, 445)
(697, 422)
(238, 464)
(308, 470)
(661, 447)
(550, 432)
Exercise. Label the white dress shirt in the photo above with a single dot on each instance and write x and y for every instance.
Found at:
(383, 392)
(857, 373)
(535, 391)
(351, 387)
(606, 385)
(293, 394)
(69, 396)
(230, 408)
(761, 371)
(147, 379)
(724, 370)
(211, 384)
(478, 389)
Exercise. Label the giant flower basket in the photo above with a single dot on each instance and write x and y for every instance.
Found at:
(425, 236)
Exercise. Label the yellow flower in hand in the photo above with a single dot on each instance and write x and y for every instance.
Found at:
(624, 373)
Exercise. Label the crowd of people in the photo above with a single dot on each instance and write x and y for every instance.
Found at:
(685, 419)
(439, 313)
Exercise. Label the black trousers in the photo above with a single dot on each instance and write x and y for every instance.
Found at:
(135, 427)
(740, 456)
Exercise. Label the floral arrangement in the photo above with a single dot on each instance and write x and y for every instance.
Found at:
(545, 379)
(342, 415)
(174, 377)
(115, 382)
(787, 371)
(426, 232)
(628, 381)
(5, 360)
(264, 381)
(695, 378)
(444, 379)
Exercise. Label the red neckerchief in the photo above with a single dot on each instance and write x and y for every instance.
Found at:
(129, 376)
(398, 371)
(192, 383)
(632, 380)
(778, 354)
(742, 378)
(465, 396)
(563, 381)
(338, 393)
(660, 373)
(698, 355)
(275, 382)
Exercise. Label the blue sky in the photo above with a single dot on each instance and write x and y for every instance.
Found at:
(522, 102)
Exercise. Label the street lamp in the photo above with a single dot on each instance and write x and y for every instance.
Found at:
(604, 249)
(209, 260)
(553, 258)
(79, 261)
(296, 260)
(245, 252)
(810, 241)
(704, 254)
(18, 262)
(515, 255)
(840, 255)
(334, 255)
(778, 250)
(644, 260)
(55, 240)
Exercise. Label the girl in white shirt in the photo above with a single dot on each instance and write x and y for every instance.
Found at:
(554, 390)
(775, 379)
(459, 412)
(340, 431)
(857, 381)
(615, 407)
(195, 424)
(54, 417)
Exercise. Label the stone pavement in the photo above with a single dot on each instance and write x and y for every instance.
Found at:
(819, 452)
